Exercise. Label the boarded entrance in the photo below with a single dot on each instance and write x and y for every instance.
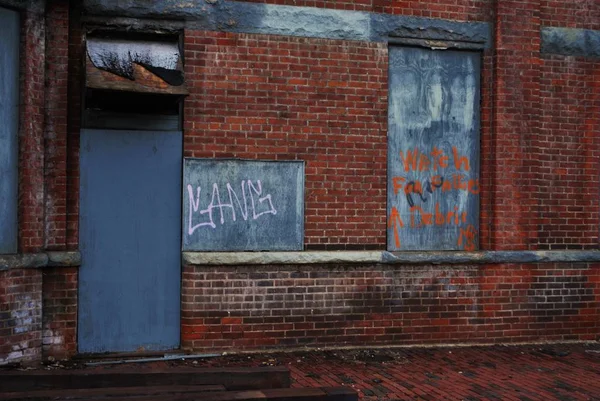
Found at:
(433, 150)
(130, 241)
(9, 125)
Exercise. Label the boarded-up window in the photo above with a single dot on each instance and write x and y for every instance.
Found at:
(433, 149)
(243, 205)
(9, 124)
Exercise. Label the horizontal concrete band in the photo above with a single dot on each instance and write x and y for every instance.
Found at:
(571, 42)
(241, 17)
(35, 6)
(384, 257)
(39, 260)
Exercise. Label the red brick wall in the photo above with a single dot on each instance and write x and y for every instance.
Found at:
(290, 306)
(460, 10)
(569, 143)
(59, 284)
(582, 14)
(57, 34)
(283, 98)
(516, 113)
(31, 134)
(59, 291)
(74, 91)
(569, 149)
(20, 315)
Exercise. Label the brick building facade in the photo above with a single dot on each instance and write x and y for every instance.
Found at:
(309, 81)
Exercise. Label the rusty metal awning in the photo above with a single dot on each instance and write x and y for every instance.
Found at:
(135, 66)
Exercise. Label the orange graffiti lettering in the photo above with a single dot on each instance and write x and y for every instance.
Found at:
(468, 238)
(395, 221)
(410, 160)
(460, 161)
(397, 182)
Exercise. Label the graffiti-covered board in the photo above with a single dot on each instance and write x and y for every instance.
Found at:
(243, 205)
(433, 150)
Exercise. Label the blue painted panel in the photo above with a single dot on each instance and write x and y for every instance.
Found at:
(130, 214)
(243, 205)
(433, 150)
(9, 118)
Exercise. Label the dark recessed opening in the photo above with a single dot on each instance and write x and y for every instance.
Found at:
(135, 103)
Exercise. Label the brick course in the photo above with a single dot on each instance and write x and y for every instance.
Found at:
(20, 315)
(280, 98)
(245, 307)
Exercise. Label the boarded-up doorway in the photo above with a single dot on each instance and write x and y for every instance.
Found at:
(130, 224)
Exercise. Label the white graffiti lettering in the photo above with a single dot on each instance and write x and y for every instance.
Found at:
(249, 189)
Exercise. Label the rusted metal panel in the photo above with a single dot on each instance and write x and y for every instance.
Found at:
(433, 149)
(9, 118)
(130, 209)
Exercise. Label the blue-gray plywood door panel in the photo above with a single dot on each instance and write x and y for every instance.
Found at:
(130, 214)
(9, 125)
(433, 149)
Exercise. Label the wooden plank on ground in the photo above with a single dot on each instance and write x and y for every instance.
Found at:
(231, 378)
(94, 393)
(287, 394)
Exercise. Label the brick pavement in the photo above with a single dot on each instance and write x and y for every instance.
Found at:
(511, 373)
(491, 373)
(566, 372)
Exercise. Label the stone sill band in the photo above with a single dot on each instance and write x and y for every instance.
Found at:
(40, 260)
(73, 259)
(384, 257)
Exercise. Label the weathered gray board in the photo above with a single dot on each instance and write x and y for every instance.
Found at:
(433, 149)
(243, 205)
(130, 209)
(9, 125)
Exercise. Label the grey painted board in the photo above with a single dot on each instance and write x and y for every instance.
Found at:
(433, 149)
(130, 213)
(243, 205)
(9, 116)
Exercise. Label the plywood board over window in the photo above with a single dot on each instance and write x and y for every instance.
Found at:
(9, 118)
(433, 149)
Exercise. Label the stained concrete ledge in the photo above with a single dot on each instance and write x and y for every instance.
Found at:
(36, 6)
(571, 42)
(39, 260)
(384, 257)
(271, 19)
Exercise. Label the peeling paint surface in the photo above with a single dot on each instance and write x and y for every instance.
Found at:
(433, 150)
(118, 56)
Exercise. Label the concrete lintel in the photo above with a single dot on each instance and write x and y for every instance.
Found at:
(36, 6)
(39, 260)
(571, 42)
(375, 257)
(270, 19)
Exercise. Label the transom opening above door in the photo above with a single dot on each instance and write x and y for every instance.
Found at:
(133, 81)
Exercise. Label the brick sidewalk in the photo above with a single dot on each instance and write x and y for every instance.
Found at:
(491, 373)
(512, 373)
(524, 373)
